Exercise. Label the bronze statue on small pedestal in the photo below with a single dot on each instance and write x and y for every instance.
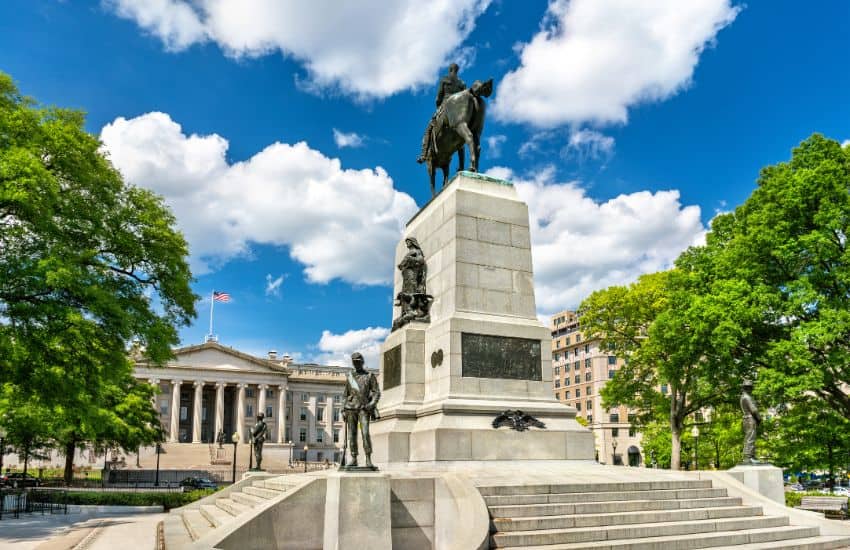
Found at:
(360, 407)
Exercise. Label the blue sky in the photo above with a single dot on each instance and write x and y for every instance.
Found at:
(625, 126)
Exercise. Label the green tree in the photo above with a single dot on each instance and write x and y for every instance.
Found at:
(87, 265)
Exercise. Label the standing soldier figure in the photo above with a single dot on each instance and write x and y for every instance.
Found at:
(258, 436)
(751, 422)
(449, 84)
(360, 408)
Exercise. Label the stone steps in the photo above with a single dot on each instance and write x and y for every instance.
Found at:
(784, 537)
(215, 515)
(611, 534)
(261, 492)
(628, 518)
(601, 487)
(609, 507)
(246, 499)
(824, 542)
(567, 498)
(196, 523)
(231, 506)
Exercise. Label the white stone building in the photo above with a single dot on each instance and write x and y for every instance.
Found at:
(211, 387)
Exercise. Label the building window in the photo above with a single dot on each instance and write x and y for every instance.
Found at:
(587, 376)
(578, 392)
(320, 414)
(615, 417)
(557, 357)
(578, 338)
(578, 406)
(337, 398)
(576, 365)
(249, 392)
(302, 434)
(566, 380)
(269, 393)
(249, 410)
(336, 435)
(589, 405)
(305, 397)
(587, 363)
(589, 390)
(320, 436)
(336, 414)
(566, 394)
(577, 378)
(590, 419)
(289, 412)
(288, 434)
(268, 411)
(303, 413)
(611, 374)
(568, 340)
(163, 408)
(612, 359)
(184, 413)
(632, 431)
(615, 432)
(558, 395)
(557, 371)
(557, 382)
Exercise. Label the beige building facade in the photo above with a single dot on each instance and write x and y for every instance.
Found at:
(211, 388)
(580, 369)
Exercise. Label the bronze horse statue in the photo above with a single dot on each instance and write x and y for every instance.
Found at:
(458, 124)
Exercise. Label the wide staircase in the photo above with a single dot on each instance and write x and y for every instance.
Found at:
(189, 524)
(641, 515)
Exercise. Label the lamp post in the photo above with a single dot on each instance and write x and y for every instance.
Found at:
(158, 450)
(290, 452)
(235, 439)
(306, 448)
(695, 435)
(614, 453)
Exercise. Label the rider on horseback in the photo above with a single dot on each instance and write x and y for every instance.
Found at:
(449, 84)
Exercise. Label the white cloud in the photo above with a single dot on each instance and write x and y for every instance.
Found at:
(494, 145)
(580, 244)
(593, 59)
(350, 139)
(340, 223)
(589, 145)
(336, 349)
(369, 48)
(845, 143)
(273, 285)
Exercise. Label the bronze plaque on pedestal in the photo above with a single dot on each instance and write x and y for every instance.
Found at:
(392, 367)
(485, 356)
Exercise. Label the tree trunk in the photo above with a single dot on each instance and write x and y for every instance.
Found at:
(26, 458)
(675, 431)
(70, 450)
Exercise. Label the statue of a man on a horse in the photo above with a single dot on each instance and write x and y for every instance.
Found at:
(457, 123)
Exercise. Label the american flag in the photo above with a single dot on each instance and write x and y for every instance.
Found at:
(221, 296)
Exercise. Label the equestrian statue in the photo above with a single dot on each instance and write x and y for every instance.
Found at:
(456, 124)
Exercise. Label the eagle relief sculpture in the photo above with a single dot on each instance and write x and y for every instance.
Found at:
(517, 420)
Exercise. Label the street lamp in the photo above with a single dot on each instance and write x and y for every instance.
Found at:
(158, 450)
(290, 452)
(306, 448)
(235, 439)
(695, 435)
(614, 453)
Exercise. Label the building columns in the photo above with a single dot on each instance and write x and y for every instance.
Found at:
(219, 409)
(329, 420)
(261, 399)
(174, 434)
(240, 413)
(311, 419)
(196, 412)
(281, 414)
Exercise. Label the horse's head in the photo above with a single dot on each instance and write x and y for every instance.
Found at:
(482, 89)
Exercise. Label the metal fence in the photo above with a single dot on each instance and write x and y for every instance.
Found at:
(14, 502)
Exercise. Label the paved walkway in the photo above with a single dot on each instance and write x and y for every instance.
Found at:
(79, 532)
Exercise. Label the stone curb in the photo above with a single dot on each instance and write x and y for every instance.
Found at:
(104, 509)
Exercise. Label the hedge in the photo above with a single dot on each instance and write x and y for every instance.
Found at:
(168, 500)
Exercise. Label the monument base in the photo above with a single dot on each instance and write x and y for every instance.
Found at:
(346, 468)
(764, 478)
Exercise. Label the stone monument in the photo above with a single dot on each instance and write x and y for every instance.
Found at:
(473, 381)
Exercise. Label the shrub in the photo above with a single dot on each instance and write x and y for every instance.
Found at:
(793, 499)
(167, 500)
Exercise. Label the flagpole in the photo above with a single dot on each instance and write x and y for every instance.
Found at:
(212, 305)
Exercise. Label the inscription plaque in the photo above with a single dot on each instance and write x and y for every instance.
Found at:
(485, 356)
(392, 367)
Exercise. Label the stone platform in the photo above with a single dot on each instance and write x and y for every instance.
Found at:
(483, 352)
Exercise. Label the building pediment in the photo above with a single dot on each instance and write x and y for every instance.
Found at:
(214, 356)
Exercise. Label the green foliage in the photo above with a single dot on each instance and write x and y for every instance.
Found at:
(113, 498)
(88, 264)
(793, 498)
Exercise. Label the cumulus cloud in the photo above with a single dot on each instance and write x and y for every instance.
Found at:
(336, 349)
(339, 223)
(593, 59)
(580, 244)
(348, 139)
(369, 48)
(273, 285)
(494, 145)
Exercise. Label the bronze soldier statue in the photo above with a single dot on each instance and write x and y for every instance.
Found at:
(751, 422)
(258, 436)
(449, 84)
(360, 401)
(414, 301)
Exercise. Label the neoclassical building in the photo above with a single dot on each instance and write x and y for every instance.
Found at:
(210, 387)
